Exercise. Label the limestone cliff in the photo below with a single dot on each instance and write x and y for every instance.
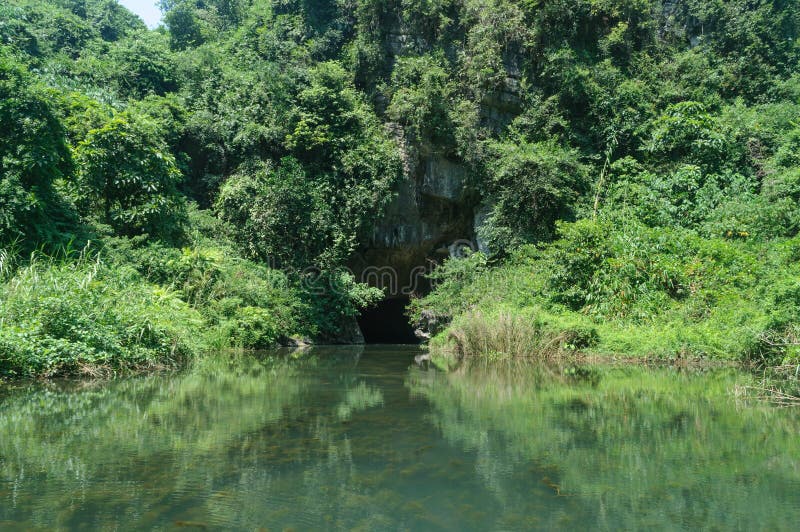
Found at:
(435, 212)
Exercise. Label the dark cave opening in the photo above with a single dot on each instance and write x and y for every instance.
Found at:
(387, 323)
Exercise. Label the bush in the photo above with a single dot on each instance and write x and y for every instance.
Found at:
(530, 186)
(333, 300)
(246, 304)
(280, 215)
(451, 281)
(420, 93)
(70, 316)
(253, 328)
(128, 178)
(34, 154)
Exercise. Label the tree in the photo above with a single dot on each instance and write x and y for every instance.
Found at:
(193, 22)
(421, 97)
(112, 19)
(186, 29)
(530, 187)
(347, 152)
(128, 177)
(279, 214)
(686, 132)
(33, 154)
(143, 65)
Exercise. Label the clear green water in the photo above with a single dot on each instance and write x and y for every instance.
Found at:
(356, 438)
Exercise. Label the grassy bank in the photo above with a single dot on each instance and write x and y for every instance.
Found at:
(621, 288)
(82, 316)
(132, 304)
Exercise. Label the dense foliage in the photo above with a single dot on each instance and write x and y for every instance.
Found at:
(648, 148)
(623, 288)
(33, 155)
(81, 316)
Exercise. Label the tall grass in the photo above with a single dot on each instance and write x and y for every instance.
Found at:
(507, 335)
(75, 314)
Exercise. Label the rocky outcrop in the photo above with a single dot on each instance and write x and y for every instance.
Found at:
(349, 333)
(501, 105)
(428, 325)
(435, 211)
(677, 24)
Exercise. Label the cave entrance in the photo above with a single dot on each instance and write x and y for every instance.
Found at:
(387, 323)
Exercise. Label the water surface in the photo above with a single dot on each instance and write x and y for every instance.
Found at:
(360, 438)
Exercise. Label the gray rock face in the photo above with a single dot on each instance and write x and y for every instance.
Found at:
(482, 213)
(443, 179)
(428, 325)
(434, 210)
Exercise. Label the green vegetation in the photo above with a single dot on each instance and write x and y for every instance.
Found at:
(185, 179)
(110, 320)
(636, 162)
(625, 289)
(127, 175)
(643, 198)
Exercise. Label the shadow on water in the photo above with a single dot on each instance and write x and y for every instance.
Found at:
(359, 437)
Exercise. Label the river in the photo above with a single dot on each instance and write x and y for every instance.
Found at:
(361, 438)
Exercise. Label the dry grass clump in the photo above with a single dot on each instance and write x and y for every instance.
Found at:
(506, 335)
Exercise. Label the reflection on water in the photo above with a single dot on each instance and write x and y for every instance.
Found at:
(359, 438)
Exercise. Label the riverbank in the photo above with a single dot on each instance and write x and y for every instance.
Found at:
(618, 288)
(125, 305)
(603, 289)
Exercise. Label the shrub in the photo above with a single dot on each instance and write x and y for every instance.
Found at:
(420, 93)
(333, 300)
(72, 316)
(253, 328)
(451, 281)
(33, 155)
(618, 287)
(530, 186)
(236, 297)
(128, 178)
(279, 215)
